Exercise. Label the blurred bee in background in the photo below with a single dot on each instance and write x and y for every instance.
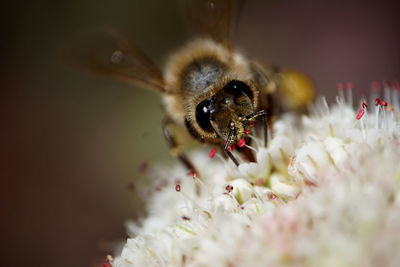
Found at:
(208, 89)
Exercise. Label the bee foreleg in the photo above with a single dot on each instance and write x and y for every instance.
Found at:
(232, 157)
(166, 125)
(228, 145)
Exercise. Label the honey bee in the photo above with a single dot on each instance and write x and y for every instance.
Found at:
(208, 88)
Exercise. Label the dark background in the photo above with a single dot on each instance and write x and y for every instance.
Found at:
(72, 142)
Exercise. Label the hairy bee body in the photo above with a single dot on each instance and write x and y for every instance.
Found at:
(196, 72)
(208, 89)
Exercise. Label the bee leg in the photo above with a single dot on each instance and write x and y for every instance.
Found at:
(263, 114)
(166, 125)
(232, 157)
(228, 145)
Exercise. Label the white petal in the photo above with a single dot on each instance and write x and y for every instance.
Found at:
(242, 190)
(284, 186)
(336, 150)
(225, 203)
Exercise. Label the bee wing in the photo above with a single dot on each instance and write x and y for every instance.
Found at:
(109, 54)
(213, 18)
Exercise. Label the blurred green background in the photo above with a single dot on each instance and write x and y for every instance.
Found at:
(71, 142)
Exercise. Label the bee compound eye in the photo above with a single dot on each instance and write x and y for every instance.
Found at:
(203, 115)
(238, 88)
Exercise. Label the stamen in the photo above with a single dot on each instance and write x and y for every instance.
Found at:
(360, 114)
(188, 198)
(361, 92)
(395, 86)
(273, 196)
(178, 188)
(241, 142)
(231, 148)
(395, 95)
(255, 140)
(390, 108)
(377, 113)
(191, 173)
(349, 85)
(384, 104)
(229, 188)
(326, 106)
(375, 89)
(339, 88)
(349, 89)
(246, 131)
(364, 104)
(212, 153)
(375, 86)
(386, 90)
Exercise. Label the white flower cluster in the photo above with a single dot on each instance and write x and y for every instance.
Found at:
(325, 192)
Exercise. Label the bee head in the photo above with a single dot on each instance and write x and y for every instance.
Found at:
(226, 110)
